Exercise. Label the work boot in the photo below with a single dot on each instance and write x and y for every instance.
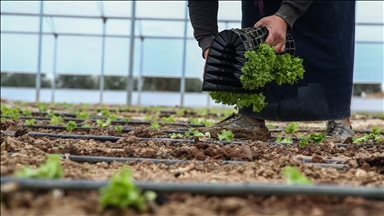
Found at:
(242, 126)
(338, 130)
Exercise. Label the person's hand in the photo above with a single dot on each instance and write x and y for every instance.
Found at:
(277, 28)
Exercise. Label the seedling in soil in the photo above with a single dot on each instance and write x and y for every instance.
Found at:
(118, 129)
(42, 107)
(169, 119)
(57, 120)
(27, 113)
(367, 137)
(292, 127)
(176, 135)
(125, 119)
(105, 112)
(376, 130)
(50, 114)
(11, 112)
(30, 122)
(155, 126)
(86, 126)
(270, 126)
(148, 118)
(195, 133)
(82, 115)
(317, 138)
(121, 192)
(181, 112)
(303, 143)
(50, 169)
(285, 140)
(113, 117)
(103, 124)
(226, 135)
(293, 176)
(193, 120)
(207, 123)
(71, 125)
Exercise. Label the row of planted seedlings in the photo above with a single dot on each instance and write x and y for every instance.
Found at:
(105, 118)
(204, 148)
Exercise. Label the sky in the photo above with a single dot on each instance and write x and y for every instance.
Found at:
(162, 57)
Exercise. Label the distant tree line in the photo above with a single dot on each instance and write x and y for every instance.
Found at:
(93, 82)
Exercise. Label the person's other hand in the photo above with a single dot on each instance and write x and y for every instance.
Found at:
(277, 28)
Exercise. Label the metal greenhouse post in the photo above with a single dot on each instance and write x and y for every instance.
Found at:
(38, 74)
(53, 87)
(131, 49)
(182, 81)
(102, 61)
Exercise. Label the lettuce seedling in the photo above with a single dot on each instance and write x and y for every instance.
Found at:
(11, 112)
(303, 143)
(50, 114)
(279, 139)
(86, 126)
(317, 138)
(207, 123)
(148, 118)
(155, 126)
(50, 169)
(42, 107)
(71, 125)
(121, 192)
(169, 119)
(193, 120)
(367, 137)
(293, 176)
(176, 135)
(103, 124)
(125, 119)
(82, 115)
(118, 129)
(270, 126)
(113, 117)
(376, 130)
(57, 120)
(292, 127)
(195, 133)
(226, 135)
(105, 112)
(30, 122)
(27, 113)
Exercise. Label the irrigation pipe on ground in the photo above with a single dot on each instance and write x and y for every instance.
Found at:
(116, 138)
(96, 159)
(234, 189)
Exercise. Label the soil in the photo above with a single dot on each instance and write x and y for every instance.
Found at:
(263, 163)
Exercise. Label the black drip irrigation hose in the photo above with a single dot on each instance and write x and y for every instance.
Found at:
(114, 121)
(228, 189)
(116, 138)
(97, 159)
(55, 113)
(123, 129)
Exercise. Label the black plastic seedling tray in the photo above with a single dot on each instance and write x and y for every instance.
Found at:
(226, 58)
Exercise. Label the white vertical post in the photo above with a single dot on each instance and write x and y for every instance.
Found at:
(102, 61)
(38, 74)
(182, 81)
(131, 53)
(53, 85)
